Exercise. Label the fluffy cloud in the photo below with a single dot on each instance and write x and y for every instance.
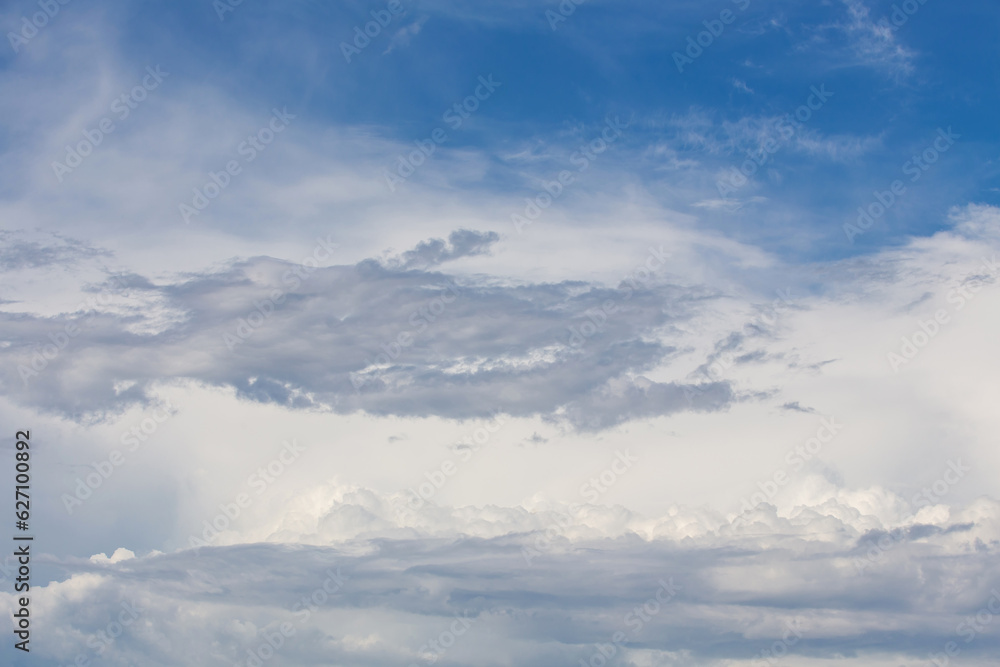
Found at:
(660, 425)
(683, 589)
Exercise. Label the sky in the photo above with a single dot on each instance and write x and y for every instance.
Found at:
(639, 334)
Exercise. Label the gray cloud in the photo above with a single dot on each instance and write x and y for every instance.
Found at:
(735, 591)
(366, 337)
(461, 243)
(19, 252)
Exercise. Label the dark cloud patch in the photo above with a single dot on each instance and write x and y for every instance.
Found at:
(366, 338)
(619, 402)
(718, 597)
(18, 252)
(461, 243)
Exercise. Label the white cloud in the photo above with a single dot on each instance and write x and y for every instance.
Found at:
(706, 381)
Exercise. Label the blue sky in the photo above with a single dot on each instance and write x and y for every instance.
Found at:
(892, 89)
(504, 326)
